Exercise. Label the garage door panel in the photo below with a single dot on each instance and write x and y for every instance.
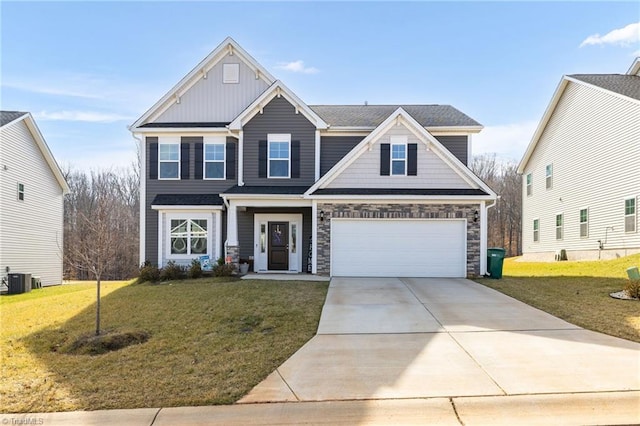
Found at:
(419, 248)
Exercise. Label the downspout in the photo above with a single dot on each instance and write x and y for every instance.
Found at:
(485, 232)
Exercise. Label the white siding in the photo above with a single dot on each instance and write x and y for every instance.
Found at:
(209, 100)
(433, 173)
(593, 142)
(30, 230)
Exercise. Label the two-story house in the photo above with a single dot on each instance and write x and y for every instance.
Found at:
(581, 171)
(234, 164)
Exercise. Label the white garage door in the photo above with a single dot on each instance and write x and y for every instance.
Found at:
(398, 248)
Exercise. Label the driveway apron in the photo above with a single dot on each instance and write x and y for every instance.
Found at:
(387, 338)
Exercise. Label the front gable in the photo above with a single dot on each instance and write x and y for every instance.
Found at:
(429, 165)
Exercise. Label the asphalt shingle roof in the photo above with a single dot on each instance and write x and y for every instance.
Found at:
(187, 200)
(398, 191)
(7, 117)
(373, 115)
(627, 85)
(189, 124)
(278, 190)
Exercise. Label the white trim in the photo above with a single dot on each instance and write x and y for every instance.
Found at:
(170, 141)
(188, 215)
(484, 232)
(635, 214)
(142, 240)
(580, 222)
(398, 141)
(227, 47)
(634, 69)
(214, 140)
(434, 130)
(278, 138)
(259, 258)
(397, 199)
(401, 116)
(276, 89)
(199, 208)
(184, 131)
(241, 158)
(273, 201)
(317, 155)
(314, 237)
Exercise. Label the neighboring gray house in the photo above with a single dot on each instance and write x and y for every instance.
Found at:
(32, 190)
(581, 183)
(234, 164)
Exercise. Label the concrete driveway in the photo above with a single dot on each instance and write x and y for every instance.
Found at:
(389, 338)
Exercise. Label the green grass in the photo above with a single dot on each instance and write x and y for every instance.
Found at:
(211, 340)
(577, 292)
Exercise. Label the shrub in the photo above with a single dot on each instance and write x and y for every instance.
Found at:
(148, 273)
(632, 288)
(220, 261)
(195, 270)
(224, 270)
(172, 271)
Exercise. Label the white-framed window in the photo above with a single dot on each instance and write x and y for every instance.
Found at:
(549, 176)
(188, 237)
(230, 73)
(169, 160)
(559, 226)
(398, 159)
(536, 230)
(279, 156)
(20, 192)
(214, 158)
(630, 215)
(529, 184)
(584, 223)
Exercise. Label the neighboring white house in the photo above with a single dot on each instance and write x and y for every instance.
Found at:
(581, 171)
(32, 190)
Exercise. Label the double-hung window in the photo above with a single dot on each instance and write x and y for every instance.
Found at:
(169, 161)
(214, 159)
(630, 215)
(549, 176)
(584, 223)
(279, 156)
(188, 236)
(21, 192)
(559, 226)
(536, 230)
(529, 184)
(398, 156)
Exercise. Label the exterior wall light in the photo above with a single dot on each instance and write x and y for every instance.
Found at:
(321, 215)
(476, 216)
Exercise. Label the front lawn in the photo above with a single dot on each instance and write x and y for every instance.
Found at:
(577, 292)
(211, 340)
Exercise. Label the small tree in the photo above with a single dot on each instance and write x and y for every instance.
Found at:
(96, 244)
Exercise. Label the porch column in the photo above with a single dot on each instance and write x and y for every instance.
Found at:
(314, 237)
(484, 229)
(232, 248)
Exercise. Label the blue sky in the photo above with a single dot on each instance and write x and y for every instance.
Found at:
(88, 69)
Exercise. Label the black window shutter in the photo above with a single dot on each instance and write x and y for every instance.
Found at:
(412, 159)
(295, 159)
(231, 160)
(198, 160)
(184, 160)
(385, 158)
(262, 159)
(153, 160)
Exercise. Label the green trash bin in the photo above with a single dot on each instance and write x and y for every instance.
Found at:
(495, 258)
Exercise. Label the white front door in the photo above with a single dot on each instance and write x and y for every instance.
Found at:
(268, 234)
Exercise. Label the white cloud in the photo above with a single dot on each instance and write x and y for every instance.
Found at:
(297, 66)
(507, 141)
(86, 116)
(620, 36)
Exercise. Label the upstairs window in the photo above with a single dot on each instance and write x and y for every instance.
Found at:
(630, 215)
(21, 192)
(559, 226)
(529, 183)
(584, 223)
(536, 230)
(169, 160)
(398, 159)
(214, 160)
(279, 156)
(549, 176)
(230, 73)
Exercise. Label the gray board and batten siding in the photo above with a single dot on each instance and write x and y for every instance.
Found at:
(182, 186)
(279, 116)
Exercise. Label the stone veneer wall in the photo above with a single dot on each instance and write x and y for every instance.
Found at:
(399, 211)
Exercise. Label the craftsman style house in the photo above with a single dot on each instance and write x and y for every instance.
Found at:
(234, 164)
(581, 183)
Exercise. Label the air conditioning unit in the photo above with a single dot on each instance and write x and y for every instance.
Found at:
(19, 283)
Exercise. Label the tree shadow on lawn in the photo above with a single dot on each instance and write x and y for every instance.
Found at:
(583, 301)
(209, 343)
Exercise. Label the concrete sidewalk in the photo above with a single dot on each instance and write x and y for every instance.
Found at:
(558, 409)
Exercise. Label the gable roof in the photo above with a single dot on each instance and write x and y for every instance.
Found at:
(401, 116)
(623, 86)
(9, 118)
(276, 89)
(227, 46)
(626, 85)
(371, 116)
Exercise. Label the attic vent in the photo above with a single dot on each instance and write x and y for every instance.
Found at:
(231, 73)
